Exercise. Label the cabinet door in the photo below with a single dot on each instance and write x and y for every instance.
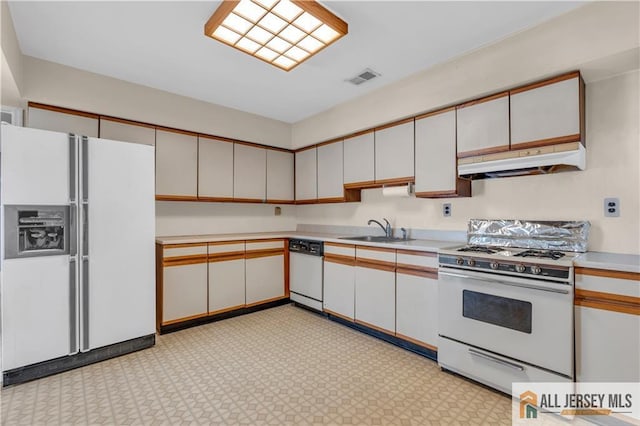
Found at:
(215, 169)
(483, 126)
(306, 175)
(265, 278)
(176, 165)
(394, 152)
(226, 285)
(547, 114)
(184, 293)
(436, 153)
(58, 121)
(359, 159)
(249, 173)
(279, 176)
(339, 288)
(417, 307)
(330, 179)
(127, 132)
(375, 303)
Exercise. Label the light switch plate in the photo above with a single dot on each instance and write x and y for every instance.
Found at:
(612, 207)
(446, 209)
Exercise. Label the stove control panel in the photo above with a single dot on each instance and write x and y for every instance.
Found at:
(509, 267)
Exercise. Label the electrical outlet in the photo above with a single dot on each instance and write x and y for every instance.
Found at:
(277, 211)
(446, 209)
(612, 207)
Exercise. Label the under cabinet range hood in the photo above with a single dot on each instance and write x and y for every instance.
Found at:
(543, 160)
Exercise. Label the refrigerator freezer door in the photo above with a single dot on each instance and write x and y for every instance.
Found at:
(119, 286)
(35, 166)
(36, 310)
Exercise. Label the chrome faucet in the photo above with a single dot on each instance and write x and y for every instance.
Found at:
(386, 229)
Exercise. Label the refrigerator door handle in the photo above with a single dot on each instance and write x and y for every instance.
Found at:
(84, 251)
(73, 165)
(85, 169)
(73, 307)
(84, 303)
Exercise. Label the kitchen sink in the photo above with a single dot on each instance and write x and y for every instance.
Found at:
(377, 239)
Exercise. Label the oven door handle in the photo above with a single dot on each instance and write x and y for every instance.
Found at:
(496, 360)
(489, 280)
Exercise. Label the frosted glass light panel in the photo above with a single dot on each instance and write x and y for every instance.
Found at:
(283, 33)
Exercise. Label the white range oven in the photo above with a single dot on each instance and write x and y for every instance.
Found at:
(506, 315)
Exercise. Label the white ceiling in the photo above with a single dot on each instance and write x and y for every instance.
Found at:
(161, 45)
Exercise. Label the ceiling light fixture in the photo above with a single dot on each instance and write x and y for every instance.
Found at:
(283, 33)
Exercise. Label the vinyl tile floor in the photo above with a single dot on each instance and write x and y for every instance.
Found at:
(281, 366)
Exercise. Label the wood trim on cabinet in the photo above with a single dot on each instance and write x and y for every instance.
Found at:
(483, 151)
(159, 284)
(372, 248)
(330, 200)
(195, 259)
(361, 185)
(183, 245)
(308, 201)
(376, 264)
(261, 302)
(623, 275)
(608, 301)
(287, 262)
(436, 112)
(176, 198)
(340, 259)
(192, 317)
(329, 142)
(63, 110)
(352, 195)
(225, 243)
(275, 201)
(248, 200)
(223, 310)
(216, 199)
(375, 327)
(583, 122)
(552, 80)
(417, 342)
(268, 240)
(335, 314)
(305, 148)
(216, 138)
(255, 254)
(546, 142)
(320, 12)
(344, 245)
(358, 133)
(417, 253)
(483, 100)
(396, 181)
(394, 124)
(430, 273)
(129, 122)
(179, 131)
(224, 257)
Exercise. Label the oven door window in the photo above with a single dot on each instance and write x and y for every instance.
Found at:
(501, 311)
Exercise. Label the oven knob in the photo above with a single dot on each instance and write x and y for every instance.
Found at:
(520, 267)
(535, 269)
(494, 265)
(460, 261)
(471, 262)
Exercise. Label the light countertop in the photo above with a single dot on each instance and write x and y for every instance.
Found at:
(610, 261)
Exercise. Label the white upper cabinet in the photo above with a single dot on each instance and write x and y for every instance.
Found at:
(436, 153)
(483, 126)
(59, 121)
(330, 179)
(279, 176)
(548, 111)
(394, 152)
(249, 173)
(359, 159)
(176, 164)
(215, 168)
(306, 175)
(127, 132)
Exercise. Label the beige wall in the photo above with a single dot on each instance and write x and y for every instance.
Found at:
(613, 158)
(571, 41)
(59, 85)
(11, 70)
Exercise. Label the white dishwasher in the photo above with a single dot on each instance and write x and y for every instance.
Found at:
(305, 272)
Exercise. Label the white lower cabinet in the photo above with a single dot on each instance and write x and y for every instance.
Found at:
(226, 276)
(417, 308)
(375, 298)
(339, 288)
(264, 270)
(184, 292)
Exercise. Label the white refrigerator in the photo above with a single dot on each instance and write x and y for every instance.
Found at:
(78, 266)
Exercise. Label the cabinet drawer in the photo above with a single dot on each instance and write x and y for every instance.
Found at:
(184, 250)
(226, 248)
(340, 249)
(264, 245)
(416, 259)
(375, 254)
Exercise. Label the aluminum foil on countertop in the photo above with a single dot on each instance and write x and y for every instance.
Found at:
(530, 234)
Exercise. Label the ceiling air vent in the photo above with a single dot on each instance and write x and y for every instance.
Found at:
(365, 75)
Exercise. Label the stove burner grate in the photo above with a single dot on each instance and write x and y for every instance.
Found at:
(479, 249)
(544, 254)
